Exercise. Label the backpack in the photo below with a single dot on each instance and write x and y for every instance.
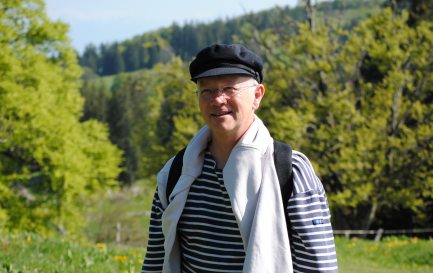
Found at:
(283, 166)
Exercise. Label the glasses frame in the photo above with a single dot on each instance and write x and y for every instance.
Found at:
(227, 91)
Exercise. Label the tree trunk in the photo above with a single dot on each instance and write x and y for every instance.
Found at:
(310, 15)
(371, 216)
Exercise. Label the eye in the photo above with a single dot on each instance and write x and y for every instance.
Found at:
(204, 92)
(229, 90)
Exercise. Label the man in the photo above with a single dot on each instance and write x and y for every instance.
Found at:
(225, 213)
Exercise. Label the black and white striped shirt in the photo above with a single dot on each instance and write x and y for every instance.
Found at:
(209, 235)
(210, 238)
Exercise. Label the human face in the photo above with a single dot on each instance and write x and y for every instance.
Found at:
(230, 117)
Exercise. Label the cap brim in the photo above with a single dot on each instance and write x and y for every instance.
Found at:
(219, 71)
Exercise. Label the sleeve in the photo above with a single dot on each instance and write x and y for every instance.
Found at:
(311, 234)
(154, 258)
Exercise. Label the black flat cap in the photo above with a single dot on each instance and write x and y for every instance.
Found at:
(222, 59)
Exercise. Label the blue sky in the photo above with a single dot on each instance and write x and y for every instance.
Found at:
(101, 21)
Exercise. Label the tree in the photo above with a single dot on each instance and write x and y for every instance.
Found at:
(418, 10)
(122, 118)
(153, 114)
(358, 104)
(90, 58)
(112, 61)
(131, 55)
(49, 161)
(96, 99)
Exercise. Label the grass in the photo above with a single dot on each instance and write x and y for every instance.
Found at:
(99, 252)
(128, 208)
(35, 254)
(392, 254)
(31, 253)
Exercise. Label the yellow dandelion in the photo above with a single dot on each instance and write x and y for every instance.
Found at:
(122, 259)
(101, 246)
(351, 245)
(396, 243)
(370, 248)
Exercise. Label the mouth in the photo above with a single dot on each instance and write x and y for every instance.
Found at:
(221, 114)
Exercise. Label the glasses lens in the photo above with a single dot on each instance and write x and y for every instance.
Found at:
(228, 92)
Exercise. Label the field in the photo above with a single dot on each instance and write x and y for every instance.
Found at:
(123, 250)
(391, 255)
(34, 254)
(31, 253)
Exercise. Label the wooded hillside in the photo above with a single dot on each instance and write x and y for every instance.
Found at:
(161, 46)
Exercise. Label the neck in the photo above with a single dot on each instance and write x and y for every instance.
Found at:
(221, 149)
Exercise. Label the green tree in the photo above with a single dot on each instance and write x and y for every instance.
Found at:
(418, 10)
(112, 60)
(49, 161)
(131, 55)
(358, 104)
(153, 114)
(96, 99)
(121, 119)
(179, 116)
(90, 58)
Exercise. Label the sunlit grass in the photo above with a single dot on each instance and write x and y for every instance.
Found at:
(392, 254)
(31, 253)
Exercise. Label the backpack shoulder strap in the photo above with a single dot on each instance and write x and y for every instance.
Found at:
(175, 171)
(283, 166)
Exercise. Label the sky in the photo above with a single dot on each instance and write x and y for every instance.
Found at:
(108, 21)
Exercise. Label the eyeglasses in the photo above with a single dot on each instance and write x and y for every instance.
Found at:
(227, 91)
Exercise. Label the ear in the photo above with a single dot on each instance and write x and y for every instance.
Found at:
(258, 95)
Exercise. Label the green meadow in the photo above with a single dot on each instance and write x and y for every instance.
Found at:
(31, 253)
(100, 251)
(391, 255)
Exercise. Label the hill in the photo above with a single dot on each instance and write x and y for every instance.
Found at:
(161, 46)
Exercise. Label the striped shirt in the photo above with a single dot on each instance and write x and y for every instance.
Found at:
(208, 229)
(210, 239)
(312, 239)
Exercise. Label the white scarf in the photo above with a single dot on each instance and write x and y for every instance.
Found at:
(252, 184)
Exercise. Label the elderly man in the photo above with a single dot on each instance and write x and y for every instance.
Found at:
(226, 211)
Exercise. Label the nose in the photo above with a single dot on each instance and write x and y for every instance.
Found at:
(218, 97)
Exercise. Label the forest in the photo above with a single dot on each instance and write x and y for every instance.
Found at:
(349, 83)
(160, 46)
